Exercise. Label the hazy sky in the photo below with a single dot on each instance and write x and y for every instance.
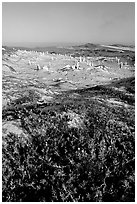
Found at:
(110, 22)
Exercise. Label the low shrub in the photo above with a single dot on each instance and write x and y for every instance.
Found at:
(62, 162)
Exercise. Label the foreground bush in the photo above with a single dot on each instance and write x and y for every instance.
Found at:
(77, 153)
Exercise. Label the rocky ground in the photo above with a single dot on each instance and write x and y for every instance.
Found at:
(55, 74)
(90, 101)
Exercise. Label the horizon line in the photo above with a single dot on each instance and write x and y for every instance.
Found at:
(33, 44)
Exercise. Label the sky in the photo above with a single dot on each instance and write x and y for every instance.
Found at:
(68, 22)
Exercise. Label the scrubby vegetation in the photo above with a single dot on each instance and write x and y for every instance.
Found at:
(76, 150)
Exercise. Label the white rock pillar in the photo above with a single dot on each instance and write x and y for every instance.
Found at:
(29, 62)
(73, 66)
(118, 60)
(80, 59)
(121, 64)
(90, 64)
(78, 65)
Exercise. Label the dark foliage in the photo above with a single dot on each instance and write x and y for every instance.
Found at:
(76, 150)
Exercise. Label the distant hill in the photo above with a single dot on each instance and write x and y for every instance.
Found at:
(121, 45)
(88, 45)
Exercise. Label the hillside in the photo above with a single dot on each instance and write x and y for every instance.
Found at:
(68, 127)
